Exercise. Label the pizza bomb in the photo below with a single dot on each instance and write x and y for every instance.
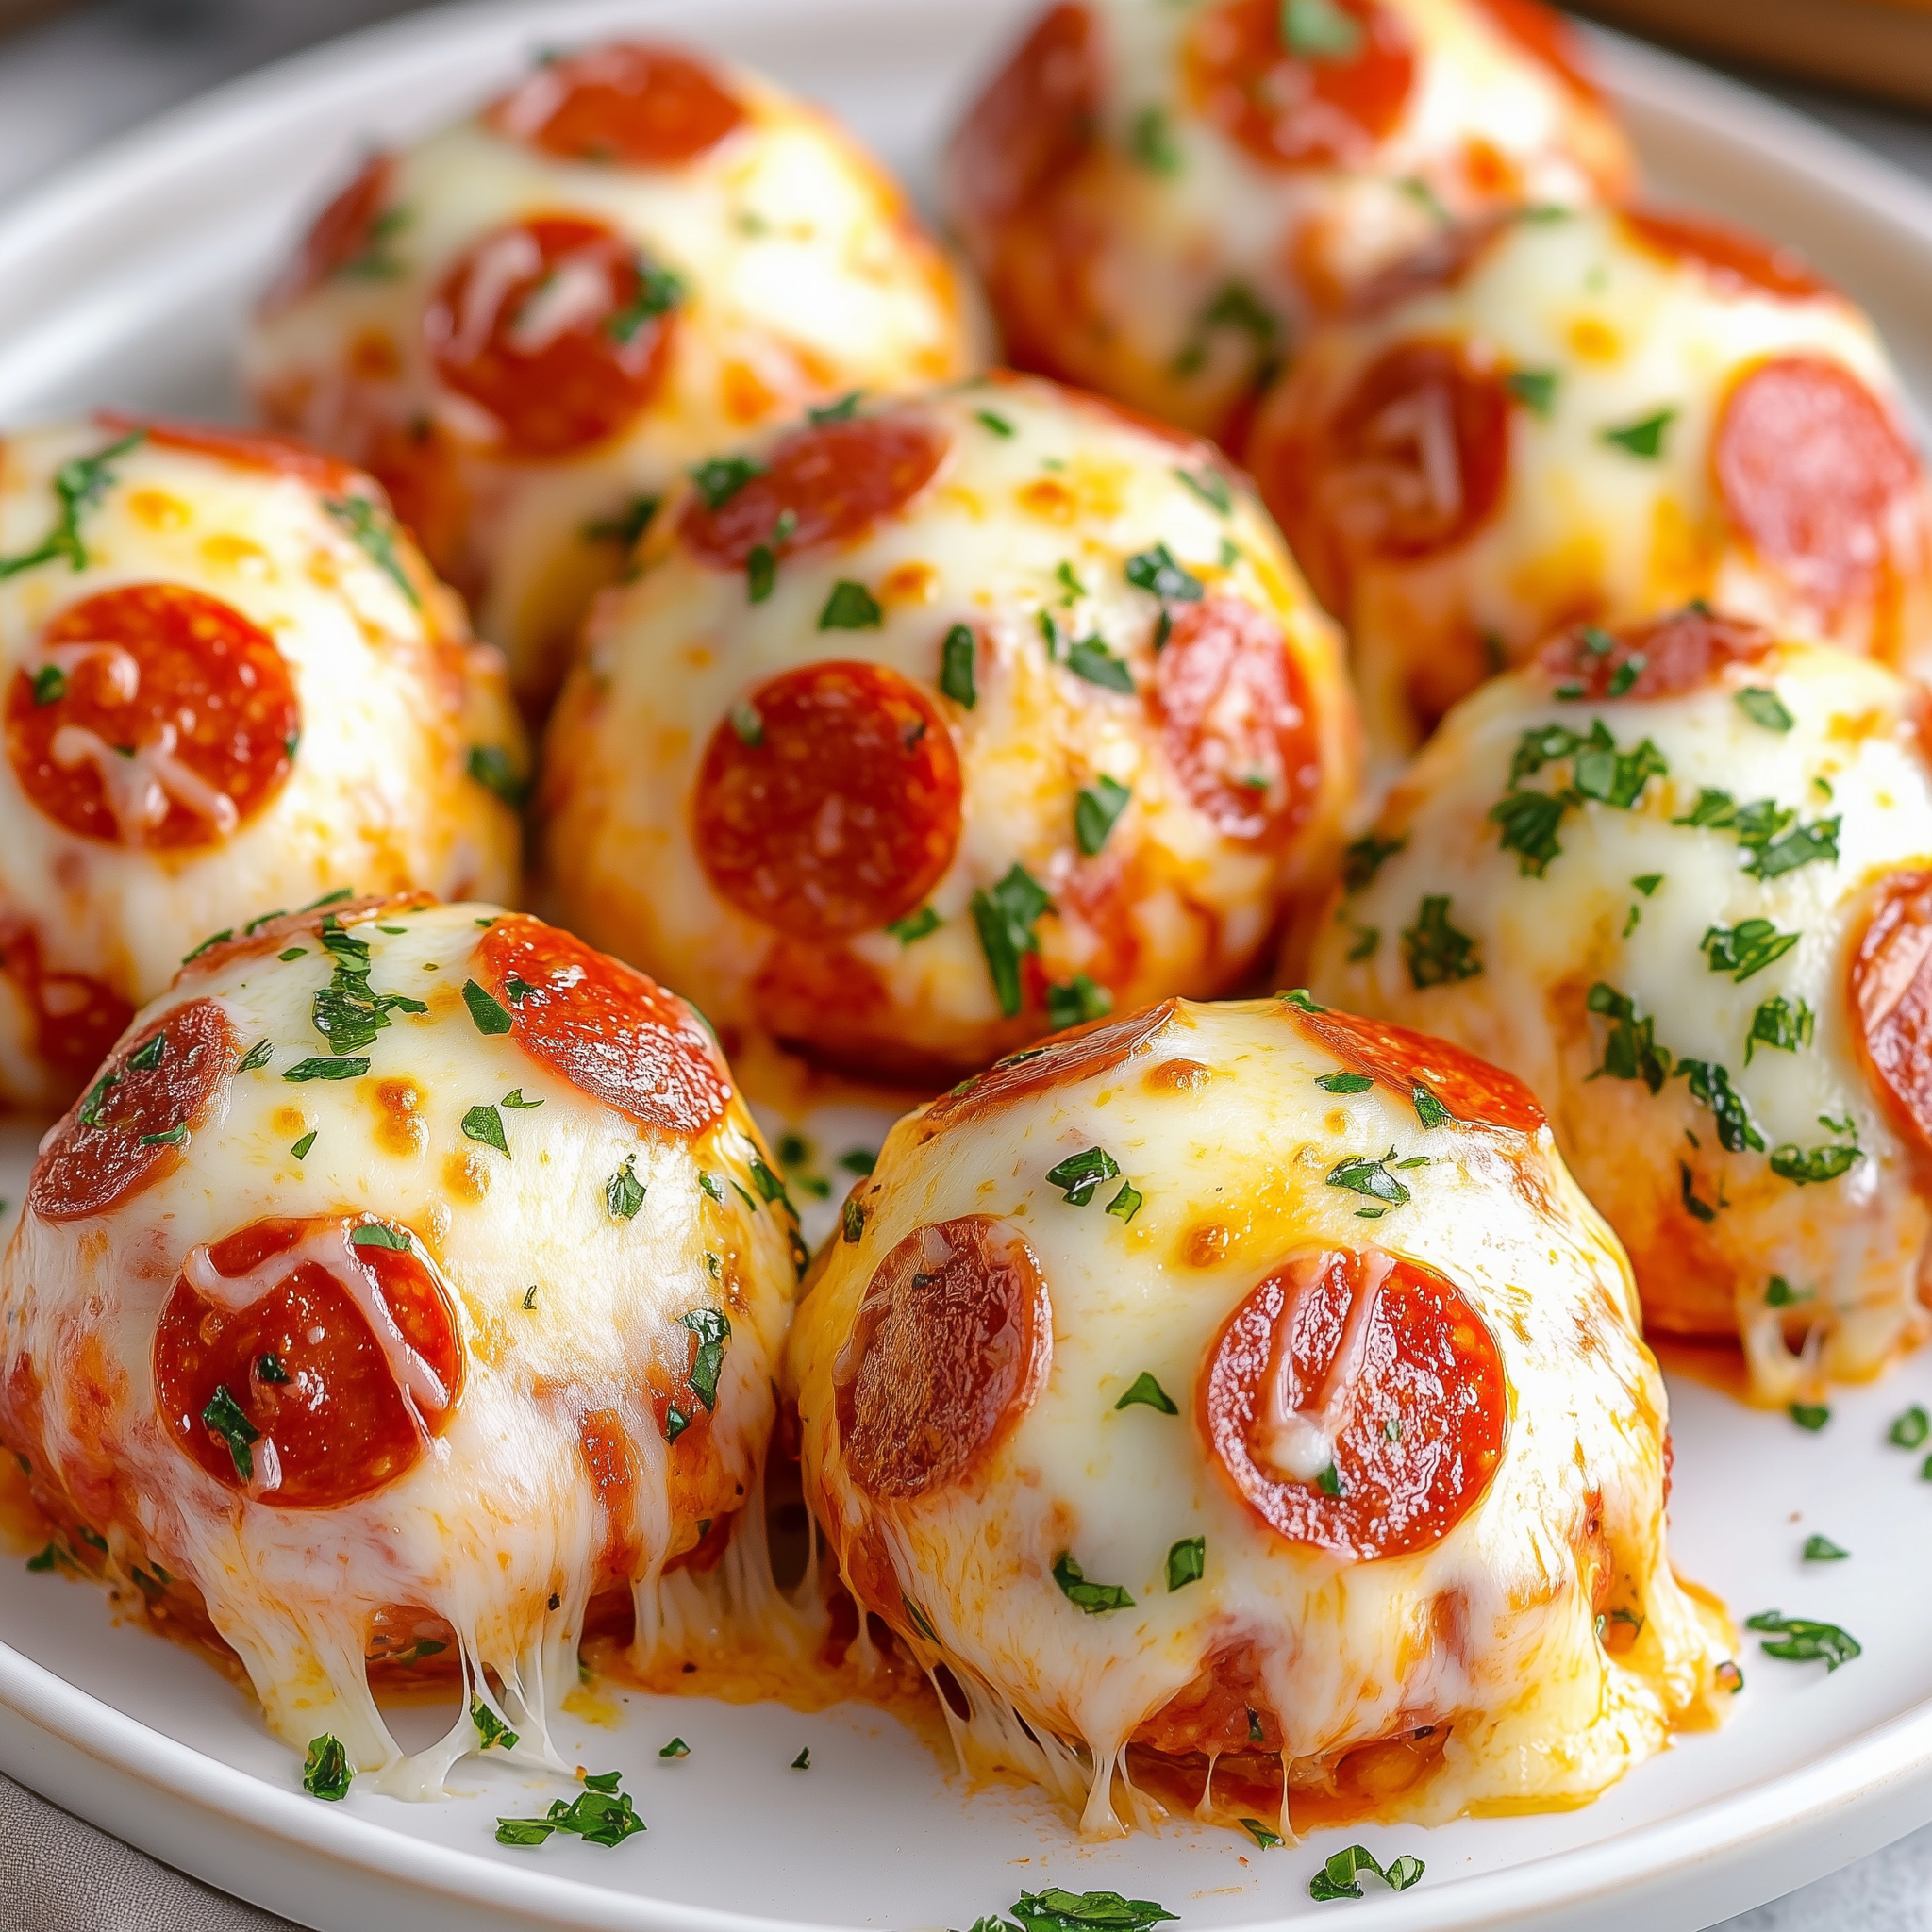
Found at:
(1245, 1409)
(929, 726)
(1161, 198)
(409, 1280)
(1594, 418)
(231, 683)
(528, 324)
(1675, 878)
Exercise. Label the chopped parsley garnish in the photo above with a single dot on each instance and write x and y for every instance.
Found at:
(1745, 949)
(1910, 1430)
(851, 1221)
(372, 1234)
(1764, 707)
(1791, 1163)
(626, 526)
(1766, 830)
(997, 423)
(1529, 821)
(372, 533)
(208, 944)
(713, 1331)
(1080, 1174)
(1155, 572)
(956, 666)
(1146, 1393)
(1127, 1203)
(1235, 307)
(1094, 1598)
(851, 607)
(1340, 1877)
(1320, 30)
(490, 766)
(1054, 1910)
(1630, 1049)
(1367, 938)
(345, 1012)
(1599, 772)
(1686, 1189)
(803, 1761)
(1711, 1086)
(268, 1368)
(601, 1814)
(1150, 142)
(919, 1621)
(1344, 1083)
(78, 486)
(224, 1417)
(1436, 952)
(1300, 998)
(1779, 1294)
(325, 1771)
(1820, 1549)
(300, 1150)
(1777, 1023)
(484, 1125)
(1810, 1416)
(1804, 1640)
(1647, 882)
(1091, 659)
(723, 477)
(1005, 915)
(768, 1184)
(1187, 1562)
(1430, 1110)
(1643, 437)
(624, 1193)
(1095, 809)
(496, 1735)
(50, 685)
(749, 723)
(1364, 859)
(858, 1160)
(289, 952)
(915, 925)
(676, 1423)
(1362, 1175)
(1257, 1831)
(1210, 485)
(488, 1013)
(841, 411)
(676, 1748)
(148, 1056)
(1536, 389)
(1075, 1002)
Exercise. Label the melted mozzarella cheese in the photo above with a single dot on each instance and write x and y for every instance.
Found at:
(1232, 1163)
(804, 276)
(564, 1311)
(1850, 1249)
(1031, 521)
(394, 700)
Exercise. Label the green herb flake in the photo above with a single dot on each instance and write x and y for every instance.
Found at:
(1210, 485)
(713, 1330)
(1820, 1549)
(1811, 1416)
(484, 1125)
(300, 1150)
(1764, 707)
(1367, 939)
(224, 1417)
(50, 685)
(601, 1814)
(1080, 1174)
(1430, 1110)
(915, 925)
(1257, 1831)
(1910, 1430)
(1745, 949)
(626, 526)
(1151, 142)
(372, 1234)
(1436, 953)
(1005, 916)
(373, 533)
(490, 1015)
(1366, 856)
(325, 1769)
(1344, 1083)
(1811, 1168)
(1090, 659)
(956, 666)
(1778, 1024)
(1096, 809)
(1644, 438)
(1648, 882)
(1187, 1562)
(1804, 1640)
(1155, 572)
(624, 1193)
(1528, 822)
(491, 766)
(1074, 1002)
(851, 607)
(1630, 1049)
(1536, 389)
(998, 425)
(723, 477)
(1320, 30)
(1094, 1598)
(496, 1735)
(1054, 1910)
(851, 1221)
(1148, 1394)
(208, 944)
(1341, 1876)
(78, 486)
(1361, 1175)
(1127, 1203)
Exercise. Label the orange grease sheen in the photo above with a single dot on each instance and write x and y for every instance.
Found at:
(603, 1026)
(1292, 111)
(836, 479)
(1813, 471)
(628, 102)
(948, 1350)
(1426, 1366)
(88, 1169)
(341, 1425)
(1740, 261)
(1891, 993)
(556, 377)
(843, 815)
(213, 691)
(1476, 1092)
(341, 232)
(1233, 709)
(1681, 653)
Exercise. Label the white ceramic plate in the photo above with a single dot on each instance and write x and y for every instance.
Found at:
(124, 281)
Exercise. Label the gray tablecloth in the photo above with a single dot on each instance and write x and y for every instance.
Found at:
(100, 67)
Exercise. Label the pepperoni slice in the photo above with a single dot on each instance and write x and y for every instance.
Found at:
(1412, 463)
(1445, 260)
(271, 933)
(1892, 1000)
(557, 328)
(1033, 123)
(1673, 655)
(828, 802)
(1318, 108)
(1479, 1094)
(1813, 471)
(1739, 261)
(153, 716)
(1543, 32)
(1079, 1054)
(344, 232)
(834, 480)
(1356, 1402)
(949, 1349)
(250, 449)
(1235, 721)
(77, 1019)
(607, 1029)
(126, 1132)
(634, 104)
(341, 1357)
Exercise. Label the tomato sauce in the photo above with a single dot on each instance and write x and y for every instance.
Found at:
(626, 104)
(1673, 655)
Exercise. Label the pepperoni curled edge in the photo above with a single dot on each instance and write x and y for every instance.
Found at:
(343, 234)
(153, 716)
(829, 802)
(625, 103)
(128, 1129)
(1476, 1092)
(1356, 1402)
(603, 1026)
(307, 1362)
(1891, 997)
(948, 1350)
(1665, 658)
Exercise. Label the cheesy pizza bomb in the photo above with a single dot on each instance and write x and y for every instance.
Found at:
(925, 728)
(1594, 418)
(231, 683)
(1244, 1400)
(1161, 198)
(1675, 878)
(528, 325)
(409, 1277)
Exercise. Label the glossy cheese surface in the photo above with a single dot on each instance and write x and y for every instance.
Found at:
(1161, 198)
(1594, 418)
(230, 684)
(891, 658)
(1709, 1079)
(1141, 1531)
(529, 324)
(493, 1301)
